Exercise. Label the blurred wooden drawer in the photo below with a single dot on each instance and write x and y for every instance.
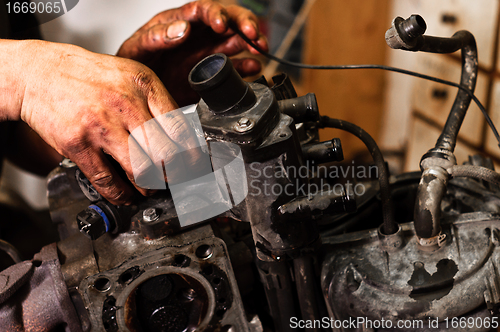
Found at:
(434, 100)
(445, 17)
(491, 144)
(423, 137)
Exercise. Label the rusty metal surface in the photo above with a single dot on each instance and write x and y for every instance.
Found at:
(198, 258)
(35, 298)
(361, 279)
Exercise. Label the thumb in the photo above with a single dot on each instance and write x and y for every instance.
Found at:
(157, 38)
(175, 31)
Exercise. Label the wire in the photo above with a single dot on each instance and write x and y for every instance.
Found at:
(382, 67)
(390, 226)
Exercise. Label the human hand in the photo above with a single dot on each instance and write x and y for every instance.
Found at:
(85, 105)
(174, 41)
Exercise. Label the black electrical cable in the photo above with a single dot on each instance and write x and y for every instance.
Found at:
(383, 67)
(390, 226)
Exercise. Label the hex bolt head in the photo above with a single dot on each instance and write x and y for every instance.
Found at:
(150, 215)
(244, 124)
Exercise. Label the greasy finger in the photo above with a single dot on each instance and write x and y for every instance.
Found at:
(247, 66)
(160, 148)
(104, 178)
(261, 43)
(209, 12)
(156, 38)
(214, 15)
(176, 126)
(231, 46)
(180, 129)
(245, 20)
(139, 168)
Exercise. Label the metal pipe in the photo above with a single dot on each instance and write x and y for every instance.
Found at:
(11, 251)
(430, 193)
(464, 41)
(408, 35)
(427, 214)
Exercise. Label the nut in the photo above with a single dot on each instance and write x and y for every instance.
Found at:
(150, 215)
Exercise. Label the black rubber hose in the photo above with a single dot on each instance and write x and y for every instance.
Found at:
(389, 226)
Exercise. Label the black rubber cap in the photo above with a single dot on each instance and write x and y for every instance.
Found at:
(219, 84)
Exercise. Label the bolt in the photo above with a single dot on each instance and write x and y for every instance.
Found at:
(244, 124)
(150, 215)
(406, 34)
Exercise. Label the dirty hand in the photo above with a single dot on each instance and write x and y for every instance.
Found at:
(85, 105)
(174, 41)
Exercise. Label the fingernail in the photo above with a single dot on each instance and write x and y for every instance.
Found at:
(176, 29)
(224, 18)
(255, 27)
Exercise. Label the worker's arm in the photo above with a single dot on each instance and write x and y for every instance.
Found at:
(85, 105)
(175, 40)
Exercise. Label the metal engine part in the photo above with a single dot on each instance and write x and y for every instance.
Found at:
(34, 296)
(365, 276)
(138, 269)
(186, 285)
(272, 258)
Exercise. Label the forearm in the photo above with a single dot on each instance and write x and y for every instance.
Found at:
(12, 73)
